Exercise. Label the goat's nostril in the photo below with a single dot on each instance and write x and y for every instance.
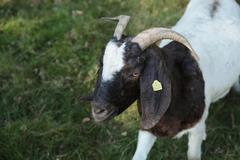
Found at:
(98, 111)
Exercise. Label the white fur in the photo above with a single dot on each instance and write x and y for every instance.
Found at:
(145, 143)
(217, 43)
(112, 60)
(195, 137)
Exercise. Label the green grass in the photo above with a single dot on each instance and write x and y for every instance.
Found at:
(49, 58)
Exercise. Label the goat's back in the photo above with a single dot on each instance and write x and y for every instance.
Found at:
(213, 29)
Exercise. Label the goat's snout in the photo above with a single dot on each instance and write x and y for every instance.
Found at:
(99, 107)
(101, 110)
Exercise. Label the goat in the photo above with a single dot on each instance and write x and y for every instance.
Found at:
(174, 82)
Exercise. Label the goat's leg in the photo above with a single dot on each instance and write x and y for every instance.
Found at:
(145, 143)
(195, 138)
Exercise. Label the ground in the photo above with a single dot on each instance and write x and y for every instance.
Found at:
(49, 58)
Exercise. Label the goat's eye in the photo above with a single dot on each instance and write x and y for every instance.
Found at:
(135, 74)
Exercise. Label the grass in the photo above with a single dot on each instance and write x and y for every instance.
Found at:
(48, 59)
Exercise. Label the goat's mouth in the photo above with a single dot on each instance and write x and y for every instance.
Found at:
(104, 116)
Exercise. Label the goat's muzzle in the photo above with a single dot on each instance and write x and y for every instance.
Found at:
(102, 111)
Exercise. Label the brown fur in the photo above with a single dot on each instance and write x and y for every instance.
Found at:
(187, 101)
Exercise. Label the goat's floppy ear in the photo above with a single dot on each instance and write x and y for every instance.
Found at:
(154, 102)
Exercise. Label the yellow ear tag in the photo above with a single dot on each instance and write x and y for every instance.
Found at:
(157, 86)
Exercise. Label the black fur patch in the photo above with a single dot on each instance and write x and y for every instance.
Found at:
(214, 8)
(187, 97)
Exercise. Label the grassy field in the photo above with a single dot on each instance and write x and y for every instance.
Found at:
(48, 59)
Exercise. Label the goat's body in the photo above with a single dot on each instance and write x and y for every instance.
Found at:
(213, 28)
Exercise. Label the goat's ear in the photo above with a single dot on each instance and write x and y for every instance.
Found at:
(153, 104)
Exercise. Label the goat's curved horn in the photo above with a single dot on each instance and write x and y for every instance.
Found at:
(153, 35)
(122, 24)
